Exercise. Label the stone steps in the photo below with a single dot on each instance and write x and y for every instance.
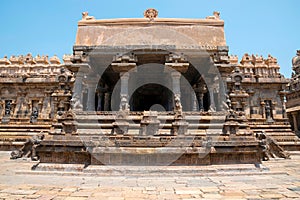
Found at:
(282, 133)
(146, 171)
(12, 136)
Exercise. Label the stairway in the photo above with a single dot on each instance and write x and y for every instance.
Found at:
(280, 131)
(13, 136)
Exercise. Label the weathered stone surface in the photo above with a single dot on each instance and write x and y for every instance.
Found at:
(147, 91)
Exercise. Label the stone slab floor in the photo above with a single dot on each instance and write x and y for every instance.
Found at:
(282, 181)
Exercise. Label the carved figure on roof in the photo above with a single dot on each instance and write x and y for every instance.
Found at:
(54, 60)
(85, 16)
(17, 59)
(4, 61)
(216, 15)
(151, 13)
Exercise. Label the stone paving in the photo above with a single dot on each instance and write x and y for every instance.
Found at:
(281, 182)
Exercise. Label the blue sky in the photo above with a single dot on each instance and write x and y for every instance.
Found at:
(251, 26)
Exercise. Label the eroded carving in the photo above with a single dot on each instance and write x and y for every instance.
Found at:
(29, 148)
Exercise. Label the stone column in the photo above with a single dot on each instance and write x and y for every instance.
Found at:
(200, 100)
(212, 100)
(194, 102)
(99, 103)
(176, 82)
(91, 97)
(263, 109)
(295, 121)
(78, 88)
(124, 76)
(107, 99)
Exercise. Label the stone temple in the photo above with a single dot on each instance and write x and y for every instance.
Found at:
(146, 91)
(293, 97)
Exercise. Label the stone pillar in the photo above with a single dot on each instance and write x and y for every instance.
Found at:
(200, 100)
(124, 76)
(99, 103)
(176, 82)
(91, 97)
(263, 109)
(273, 107)
(107, 99)
(78, 89)
(194, 102)
(283, 103)
(212, 100)
(295, 121)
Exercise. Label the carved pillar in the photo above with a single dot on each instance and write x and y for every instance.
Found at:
(78, 88)
(284, 114)
(123, 64)
(295, 121)
(200, 100)
(210, 85)
(212, 100)
(124, 76)
(283, 103)
(176, 82)
(263, 109)
(273, 107)
(194, 102)
(91, 97)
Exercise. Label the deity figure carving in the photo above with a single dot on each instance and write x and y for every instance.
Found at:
(268, 112)
(124, 104)
(178, 106)
(75, 103)
(34, 114)
(7, 108)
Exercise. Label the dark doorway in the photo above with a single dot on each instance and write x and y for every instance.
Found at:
(151, 97)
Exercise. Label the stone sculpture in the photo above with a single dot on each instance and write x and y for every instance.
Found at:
(29, 148)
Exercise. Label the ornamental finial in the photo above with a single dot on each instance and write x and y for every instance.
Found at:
(151, 13)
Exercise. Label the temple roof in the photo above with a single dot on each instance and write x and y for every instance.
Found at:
(151, 30)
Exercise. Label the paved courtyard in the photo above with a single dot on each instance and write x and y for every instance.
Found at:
(276, 179)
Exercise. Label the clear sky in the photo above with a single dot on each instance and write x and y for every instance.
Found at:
(251, 26)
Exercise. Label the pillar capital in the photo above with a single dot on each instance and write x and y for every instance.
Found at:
(124, 75)
(175, 74)
(177, 62)
(294, 114)
(124, 63)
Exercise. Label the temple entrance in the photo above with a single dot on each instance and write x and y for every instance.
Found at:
(152, 97)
